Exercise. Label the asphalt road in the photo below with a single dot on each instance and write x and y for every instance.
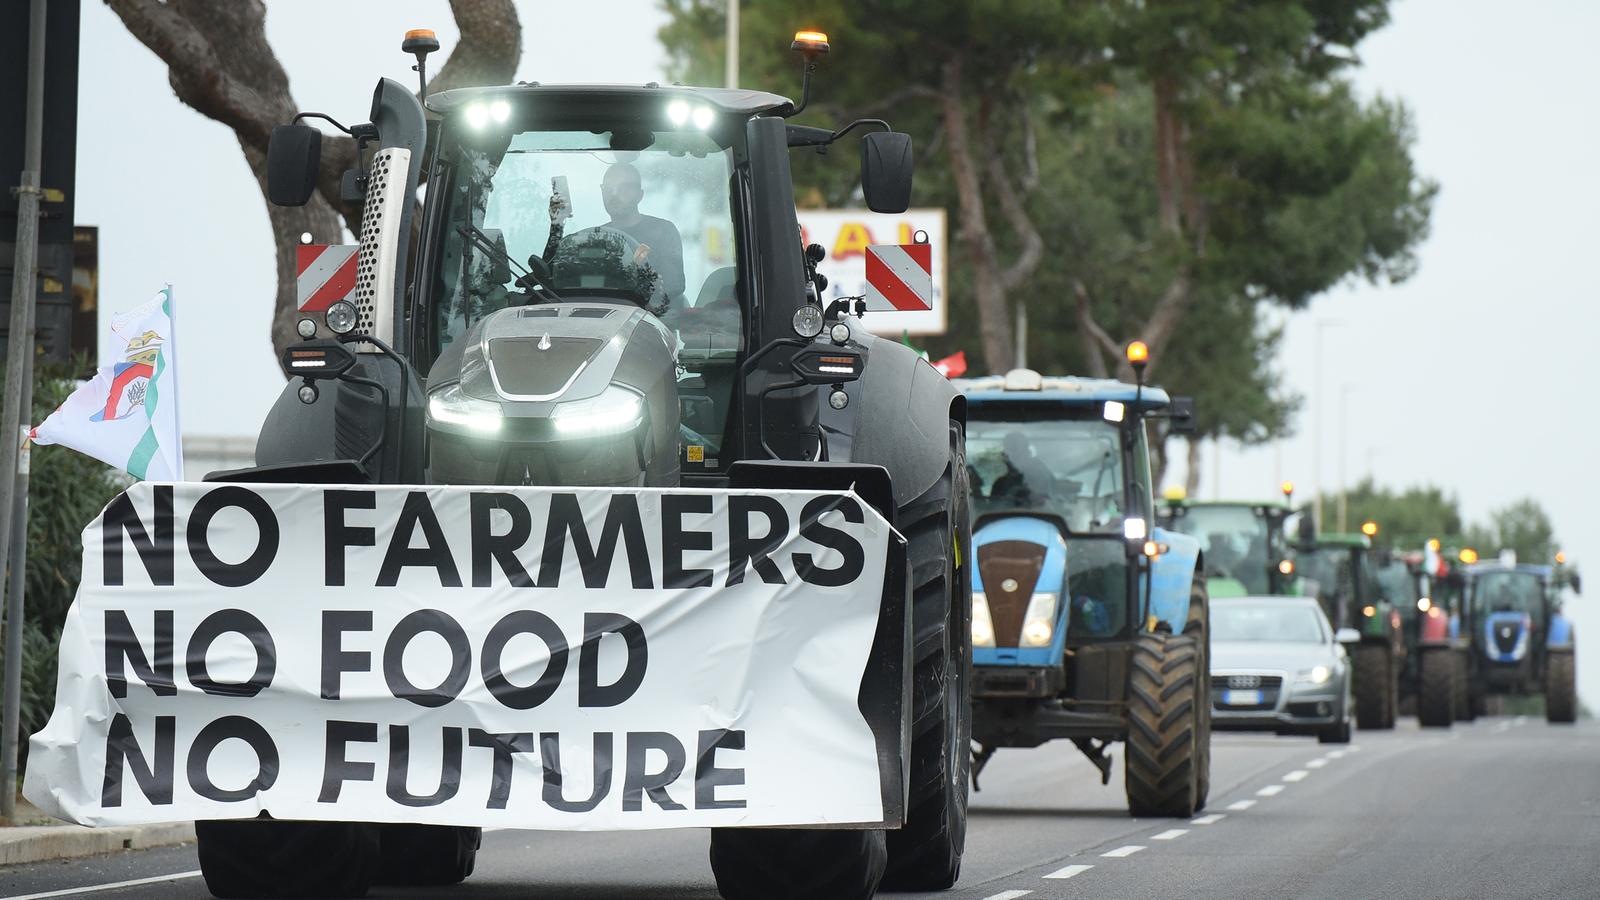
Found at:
(1501, 808)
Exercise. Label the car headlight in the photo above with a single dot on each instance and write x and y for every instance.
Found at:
(982, 623)
(615, 409)
(1314, 675)
(450, 405)
(1039, 623)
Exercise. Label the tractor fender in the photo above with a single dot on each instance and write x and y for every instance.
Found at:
(1561, 632)
(1172, 577)
(903, 409)
(1434, 630)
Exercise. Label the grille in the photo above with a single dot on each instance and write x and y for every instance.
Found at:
(1505, 636)
(523, 369)
(1269, 686)
(589, 312)
(1008, 562)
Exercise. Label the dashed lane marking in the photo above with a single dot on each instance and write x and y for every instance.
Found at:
(1239, 805)
(1208, 820)
(1271, 790)
(1009, 895)
(1296, 775)
(1336, 754)
(1170, 834)
(1120, 852)
(1316, 763)
(158, 879)
(1069, 871)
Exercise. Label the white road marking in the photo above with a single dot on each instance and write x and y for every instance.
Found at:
(1336, 754)
(1353, 748)
(1520, 720)
(1209, 820)
(1120, 852)
(1296, 775)
(1069, 871)
(1271, 790)
(1241, 804)
(159, 879)
(1316, 763)
(1170, 834)
(1009, 895)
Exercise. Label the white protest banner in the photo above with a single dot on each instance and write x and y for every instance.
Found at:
(523, 657)
(847, 233)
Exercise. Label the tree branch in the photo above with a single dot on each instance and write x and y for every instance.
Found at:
(1095, 337)
(489, 49)
(1017, 217)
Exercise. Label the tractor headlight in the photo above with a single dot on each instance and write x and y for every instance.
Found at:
(1134, 529)
(450, 405)
(615, 410)
(1039, 623)
(982, 623)
(1314, 675)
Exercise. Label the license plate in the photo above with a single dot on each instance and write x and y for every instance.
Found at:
(1243, 698)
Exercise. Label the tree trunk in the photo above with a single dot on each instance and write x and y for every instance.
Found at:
(994, 318)
(1158, 459)
(220, 64)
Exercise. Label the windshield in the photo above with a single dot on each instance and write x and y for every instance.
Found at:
(1509, 592)
(533, 216)
(1400, 585)
(1069, 467)
(1277, 622)
(1236, 540)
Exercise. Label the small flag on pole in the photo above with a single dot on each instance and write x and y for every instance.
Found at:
(127, 414)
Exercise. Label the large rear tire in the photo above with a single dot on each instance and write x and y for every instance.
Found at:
(1163, 759)
(1198, 626)
(426, 855)
(1463, 681)
(925, 854)
(265, 858)
(1436, 698)
(1560, 687)
(1375, 686)
(795, 864)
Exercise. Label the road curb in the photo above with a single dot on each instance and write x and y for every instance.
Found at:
(28, 843)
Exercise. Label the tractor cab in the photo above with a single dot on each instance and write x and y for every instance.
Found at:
(1245, 543)
(1343, 570)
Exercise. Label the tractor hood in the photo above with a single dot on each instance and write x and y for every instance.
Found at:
(581, 394)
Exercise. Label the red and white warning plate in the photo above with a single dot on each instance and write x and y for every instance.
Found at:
(878, 257)
(900, 277)
(325, 274)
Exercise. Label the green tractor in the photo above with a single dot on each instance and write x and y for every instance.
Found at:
(1427, 596)
(1343, 567)
(1245, 543)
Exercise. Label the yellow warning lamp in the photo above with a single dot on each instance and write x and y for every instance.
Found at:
(1433, 544)
(1288, 489)
(1286, 567)
(810, 44)
(1369, 611)
(420, 42)
(1561, 558)
(1138, 354)
(1369, 528)
(1176, 493)
(1467, 555)
(1152, 549)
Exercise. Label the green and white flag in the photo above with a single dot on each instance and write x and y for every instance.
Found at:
(127, 415)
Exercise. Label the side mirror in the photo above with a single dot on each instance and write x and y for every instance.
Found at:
(1347, 636)
(1181, 414)
(294, 155)
(1307, 531)
(886, 169)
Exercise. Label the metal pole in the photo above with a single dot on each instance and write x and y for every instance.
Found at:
(1022, 336)
(1216, 467)
(731, 70)
(1316, 428)
(1344, 448)
(19, 349)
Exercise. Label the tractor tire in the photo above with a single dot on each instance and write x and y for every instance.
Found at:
(1560, 687)
(1375, 687)
(1198, 626)
(266, 858)
(797, 864)
(426, 855)
(1463, 682)
(1436, 696)
(925, 853)
(1163, 753)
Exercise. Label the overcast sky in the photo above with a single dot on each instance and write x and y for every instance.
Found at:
(1465, 376)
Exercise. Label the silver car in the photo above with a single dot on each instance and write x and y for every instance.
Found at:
(1278, 665)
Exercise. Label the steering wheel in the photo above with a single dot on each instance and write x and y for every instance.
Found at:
(582, 247)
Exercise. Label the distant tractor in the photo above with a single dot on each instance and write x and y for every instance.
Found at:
(1434, 677)
(1245, 544)
(1522, 643)
(1342, 566)
(1088, 624)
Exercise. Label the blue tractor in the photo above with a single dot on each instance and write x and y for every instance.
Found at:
(1521, 640)
(1088, 624)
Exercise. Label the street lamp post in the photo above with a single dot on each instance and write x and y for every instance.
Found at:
(731, 70)
(1344, 445)
(1316, 421)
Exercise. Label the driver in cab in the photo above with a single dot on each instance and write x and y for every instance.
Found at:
(660, 244)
